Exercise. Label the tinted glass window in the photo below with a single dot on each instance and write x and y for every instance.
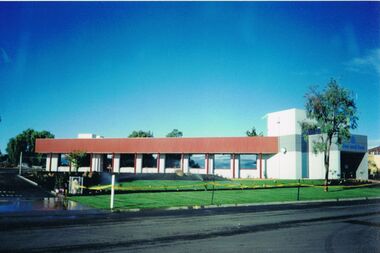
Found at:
(62, 160)
(127, 160)
(197, 161)
(173, 161)
(248, 161)
(222, 161)
(149, 161)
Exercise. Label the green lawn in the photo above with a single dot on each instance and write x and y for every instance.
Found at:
(162, 185)
(198, 198)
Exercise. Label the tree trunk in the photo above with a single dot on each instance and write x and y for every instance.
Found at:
(326, 174)
(327, 164)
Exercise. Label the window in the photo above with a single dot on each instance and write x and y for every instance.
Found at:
(85, 161)
(197, 161)
(149, 161)
(222, 161)
(107, 162)
(173, 161)
(62, 160)
(127, 160)
(248, 161)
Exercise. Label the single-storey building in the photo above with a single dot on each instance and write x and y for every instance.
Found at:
(283, 153)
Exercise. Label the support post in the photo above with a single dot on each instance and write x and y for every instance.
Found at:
(158, 163)
(233, 165)
(134, 168)
(182, 168)
(51, 157)
(19, 170)
(206, 164)
(112, 190)
(113, 162)
(261, 165)
(90, 162)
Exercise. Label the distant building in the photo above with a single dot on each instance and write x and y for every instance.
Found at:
(282, 154)
(374, 161)
(374, 151)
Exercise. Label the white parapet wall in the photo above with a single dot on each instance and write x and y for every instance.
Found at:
(287, 164)
(285, 122)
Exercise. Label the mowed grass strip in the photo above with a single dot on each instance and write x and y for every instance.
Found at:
(162, 185)
(200, 198)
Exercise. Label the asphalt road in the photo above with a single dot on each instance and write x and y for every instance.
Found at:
(338, 227)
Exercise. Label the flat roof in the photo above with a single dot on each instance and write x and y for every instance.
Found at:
(242, 145)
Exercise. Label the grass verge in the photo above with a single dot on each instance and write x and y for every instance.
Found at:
(199, 198)
(170, 185)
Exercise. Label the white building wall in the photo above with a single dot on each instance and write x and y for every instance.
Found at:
(273, 163)
(48, 163)
(64, 169)
(97, 164)
(317, 166)
(185, 165)
(149, 170)
(116, 163)
(138, 163)
(86, 136)
(287, 164)
(162, 163)
(223, 173)
(83, 169)
(250, 173)
(127, 170)
(237, 166)
(210, 163)
(53, 163)
(285, 122)
(362, 171)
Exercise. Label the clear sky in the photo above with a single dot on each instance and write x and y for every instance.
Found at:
(205, 68)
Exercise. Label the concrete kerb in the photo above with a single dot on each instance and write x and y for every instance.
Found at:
(27, 180)
(250, 204)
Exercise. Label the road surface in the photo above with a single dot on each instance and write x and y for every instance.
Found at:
(338, 227)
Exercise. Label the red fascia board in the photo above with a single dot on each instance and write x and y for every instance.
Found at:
(214, 145)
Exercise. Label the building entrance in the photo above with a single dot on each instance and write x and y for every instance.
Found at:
(349, 163)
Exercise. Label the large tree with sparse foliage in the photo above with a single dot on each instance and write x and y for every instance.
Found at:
(141, 134)
(331, 113)
(175, 133)
(253, 133)
(25, 143)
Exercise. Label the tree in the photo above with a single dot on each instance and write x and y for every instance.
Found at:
(25, 143)
(332, 113)
(141, 134)
(253, 133)
(75, 158)
(175, 133)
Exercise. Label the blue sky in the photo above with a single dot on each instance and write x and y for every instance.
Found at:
(206, 68)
